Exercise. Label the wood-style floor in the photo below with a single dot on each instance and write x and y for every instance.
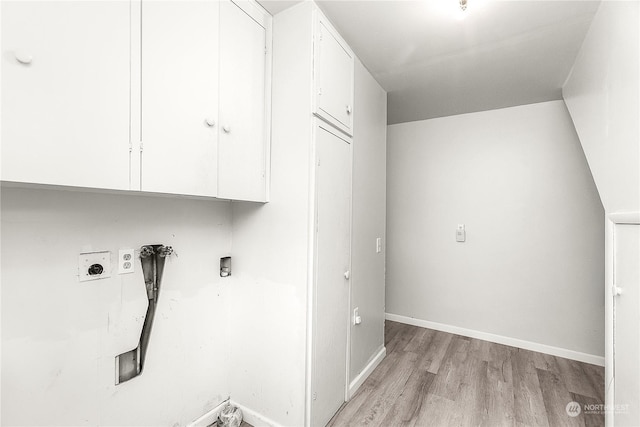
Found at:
(432, 378)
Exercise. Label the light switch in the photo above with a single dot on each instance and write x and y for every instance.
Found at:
(378, 245)
(461, 234)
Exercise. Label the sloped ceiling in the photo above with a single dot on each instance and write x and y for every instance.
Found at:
(434, 64)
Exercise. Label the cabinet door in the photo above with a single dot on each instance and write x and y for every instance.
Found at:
(333, 76)
(331, 287)
(65, 93)
(242, 134)
(179, 96)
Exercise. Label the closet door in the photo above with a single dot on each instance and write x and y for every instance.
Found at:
(179, 96)
(627, 324)
(242, 133)
(333, 76)
(332, 263)
(65, 93)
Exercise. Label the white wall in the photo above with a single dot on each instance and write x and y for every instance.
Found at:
(533, 264)
(603, 96)
(60, 336)
(369, 215)
(270, 253)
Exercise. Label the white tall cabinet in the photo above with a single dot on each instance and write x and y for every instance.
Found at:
(313, 110)
(155, 96)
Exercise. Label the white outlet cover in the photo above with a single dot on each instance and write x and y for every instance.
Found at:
(126, 261)
(87, 259)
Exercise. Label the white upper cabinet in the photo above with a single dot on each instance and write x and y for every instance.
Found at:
(164, 96)
(203, 85)
(65, 93)
(179, 73)
(243, 121)
(333, 76)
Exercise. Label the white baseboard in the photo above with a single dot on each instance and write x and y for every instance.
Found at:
(210, 417)
(362, 376)
(253, 417)
(513, 342)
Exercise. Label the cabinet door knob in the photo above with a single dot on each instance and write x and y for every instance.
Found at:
(210, 122)
(347, 274)
(349, 109)
(226, 129)
(23, 57)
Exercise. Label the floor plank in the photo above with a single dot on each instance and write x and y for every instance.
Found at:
(432, 378)
(576, 379)
(554, 390)
(406, 407)
(383, 397)
(592, 415)
(373, 383)
(436, 411)
(433, 351)
(499, 407)
(529, 406)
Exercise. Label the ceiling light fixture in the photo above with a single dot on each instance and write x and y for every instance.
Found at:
(463, 5)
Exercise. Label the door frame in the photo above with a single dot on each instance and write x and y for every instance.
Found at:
(312, 262)
(613, 219)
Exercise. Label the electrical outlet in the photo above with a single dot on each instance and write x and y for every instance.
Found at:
(378, 245)
(94, 265)
(126, 262)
